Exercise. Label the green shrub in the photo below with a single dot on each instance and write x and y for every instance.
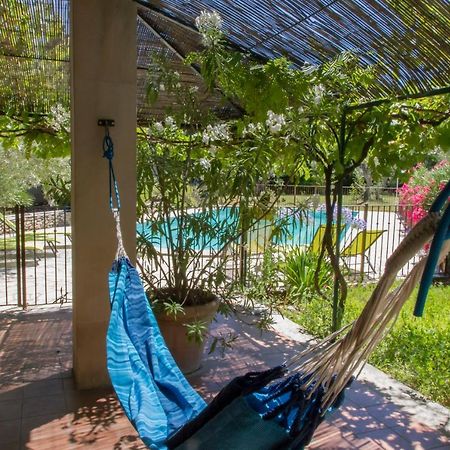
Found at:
(265, 287)
(417, 350)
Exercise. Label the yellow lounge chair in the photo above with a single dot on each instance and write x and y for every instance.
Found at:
(360, 245)
(316, 243)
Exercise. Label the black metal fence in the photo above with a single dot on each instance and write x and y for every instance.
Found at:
(369, 236)
(35, 245)
(35, 256)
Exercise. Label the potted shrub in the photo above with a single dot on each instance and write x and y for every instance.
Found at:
(195, 207)
(198, 207)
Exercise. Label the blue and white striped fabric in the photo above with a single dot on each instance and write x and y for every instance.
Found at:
(153, 392)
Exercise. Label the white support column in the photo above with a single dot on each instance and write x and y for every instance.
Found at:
(103, 54)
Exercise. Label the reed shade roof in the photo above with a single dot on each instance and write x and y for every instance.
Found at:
(409, 41)
(34, 54)
(154, 42)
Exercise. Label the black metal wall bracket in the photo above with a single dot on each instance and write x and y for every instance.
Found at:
(105, 123)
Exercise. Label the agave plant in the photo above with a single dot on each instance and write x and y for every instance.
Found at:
(299, 270)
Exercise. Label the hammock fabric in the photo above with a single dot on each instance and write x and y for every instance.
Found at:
(152, 390)
(278, 409)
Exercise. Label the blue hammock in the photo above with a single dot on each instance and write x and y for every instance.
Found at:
(166, 410)
(253, 412)
(152, 390)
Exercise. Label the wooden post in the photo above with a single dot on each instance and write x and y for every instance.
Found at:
(103, 60)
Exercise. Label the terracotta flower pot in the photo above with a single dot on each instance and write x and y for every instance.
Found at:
(187, 353)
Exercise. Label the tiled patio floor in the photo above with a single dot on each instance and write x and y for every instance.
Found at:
(41, 409)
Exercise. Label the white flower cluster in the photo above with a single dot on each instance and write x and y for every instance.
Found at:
(215, 133)
(169, 122)
(59, 118)
(319, 91)
(302, 115)
(209, 23)
(275, 122)
(252, 128)
(208, 20)
(205, 163)
(158, 126)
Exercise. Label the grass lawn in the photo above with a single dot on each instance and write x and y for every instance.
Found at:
(417, 350)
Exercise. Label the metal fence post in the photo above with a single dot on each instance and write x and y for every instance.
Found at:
(364, 237)
(243, 211)
(243, 259)
(18, 255)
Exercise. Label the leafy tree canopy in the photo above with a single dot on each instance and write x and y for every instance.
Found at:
(20, 172)
(42, 135)
(299, 121)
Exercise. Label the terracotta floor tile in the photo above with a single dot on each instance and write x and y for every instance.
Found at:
(10, 409)
(79, 431)
(11, 391)
(68, 384)
(43, 388)
(328, 437)
(352, 419)
(12, 446)
(44, 431)
(389, 414)
(422, 437)
(42, 406)
(56, 416)
(363, 395)
(364, 443)
(387, 439)
(89, 398)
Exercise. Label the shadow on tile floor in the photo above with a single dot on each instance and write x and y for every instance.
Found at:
(40, 408)
(52, 414)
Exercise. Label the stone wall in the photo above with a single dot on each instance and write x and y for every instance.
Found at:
(38, 220)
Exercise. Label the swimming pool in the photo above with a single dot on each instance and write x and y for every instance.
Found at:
(212, 229)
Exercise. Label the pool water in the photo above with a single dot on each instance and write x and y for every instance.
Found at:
(290, 229)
